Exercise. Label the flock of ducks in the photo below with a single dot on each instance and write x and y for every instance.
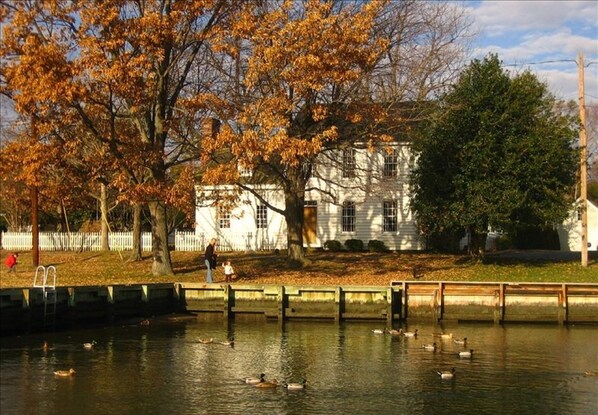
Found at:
(68, 372)
(261, 382)
(433, 347)
(258, 381)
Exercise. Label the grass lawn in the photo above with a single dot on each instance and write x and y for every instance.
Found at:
(326, 268)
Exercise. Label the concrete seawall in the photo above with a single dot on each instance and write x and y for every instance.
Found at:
(33, 309)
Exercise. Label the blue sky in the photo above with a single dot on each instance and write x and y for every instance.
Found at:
(523, 32)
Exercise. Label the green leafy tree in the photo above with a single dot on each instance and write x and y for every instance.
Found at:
(497, 155)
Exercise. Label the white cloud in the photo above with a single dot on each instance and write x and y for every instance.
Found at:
(528, 34)
(499, 18)
(556, 45)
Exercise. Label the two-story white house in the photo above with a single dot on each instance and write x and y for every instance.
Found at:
(360, 194)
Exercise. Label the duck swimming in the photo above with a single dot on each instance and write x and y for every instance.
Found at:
(252, 380)
(430, 347)
(410, 333)
(230, 342)
(295, 385)
(89, 346)
(466, 354)
(267, 384)
(462, 341)
(447, 374)
(65, 373)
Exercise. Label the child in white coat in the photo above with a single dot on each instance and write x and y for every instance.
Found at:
(229, 272)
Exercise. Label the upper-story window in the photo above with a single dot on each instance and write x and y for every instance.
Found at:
(348, 216)
(389, 213)
(261, 217)
(223, 217)
(245, 171)
(391, 163)
(349, 163)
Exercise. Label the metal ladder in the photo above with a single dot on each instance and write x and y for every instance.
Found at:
(48, 290)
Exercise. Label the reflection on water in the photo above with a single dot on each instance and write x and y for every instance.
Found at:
(162, 368)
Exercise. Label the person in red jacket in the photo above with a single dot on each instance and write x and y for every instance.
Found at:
(11, 262)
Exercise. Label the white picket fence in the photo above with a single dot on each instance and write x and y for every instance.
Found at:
(122, 241)
(73, 241)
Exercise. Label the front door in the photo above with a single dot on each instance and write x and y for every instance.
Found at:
(310, 223)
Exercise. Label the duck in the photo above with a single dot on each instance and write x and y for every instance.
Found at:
(447, 374)
(206, 341)
(65, 373)
(446, 336)
(267, 384)
(466, 354)
(90, 345)
(410, 333)
(378, 331)
(462, 341)
(230, 342)
(395, 332)
(252, 380)
(295, 385)
(591, 373)
(429, 347)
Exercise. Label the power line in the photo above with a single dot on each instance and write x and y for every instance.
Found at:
(540, 62)
(549, 61)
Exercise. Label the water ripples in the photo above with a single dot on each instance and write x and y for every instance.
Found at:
(349, 369)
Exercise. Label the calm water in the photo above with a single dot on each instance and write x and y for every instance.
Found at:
(161, 368)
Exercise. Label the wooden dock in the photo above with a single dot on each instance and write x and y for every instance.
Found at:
(27, 309)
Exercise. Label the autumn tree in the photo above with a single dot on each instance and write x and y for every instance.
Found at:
(296, 64)
(498, 155)
(309, 77)
(119, 68)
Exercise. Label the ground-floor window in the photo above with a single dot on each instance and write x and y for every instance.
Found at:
(348, 216)
(390, 215)
(223, 218)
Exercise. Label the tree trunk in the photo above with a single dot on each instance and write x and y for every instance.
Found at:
(294, 201)
(161, 264)
(476, 243)
(104, 217)
(35, 226)
(136, 253)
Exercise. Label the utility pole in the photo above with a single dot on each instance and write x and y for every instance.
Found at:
(583, 165)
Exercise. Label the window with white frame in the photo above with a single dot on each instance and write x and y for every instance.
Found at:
(245, 171)
(223, 217)
(349, 163)
(348, 216)
(389, 213)
(261, 217)
(391, 163)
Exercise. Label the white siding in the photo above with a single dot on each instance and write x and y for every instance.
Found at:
(570, 230)
(243, 230)
(368, 190)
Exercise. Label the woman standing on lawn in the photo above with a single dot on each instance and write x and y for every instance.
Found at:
(210, 259)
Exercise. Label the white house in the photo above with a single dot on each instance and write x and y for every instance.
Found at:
(570, 230)
(361, 194)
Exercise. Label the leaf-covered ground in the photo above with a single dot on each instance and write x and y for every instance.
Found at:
(325, 268)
